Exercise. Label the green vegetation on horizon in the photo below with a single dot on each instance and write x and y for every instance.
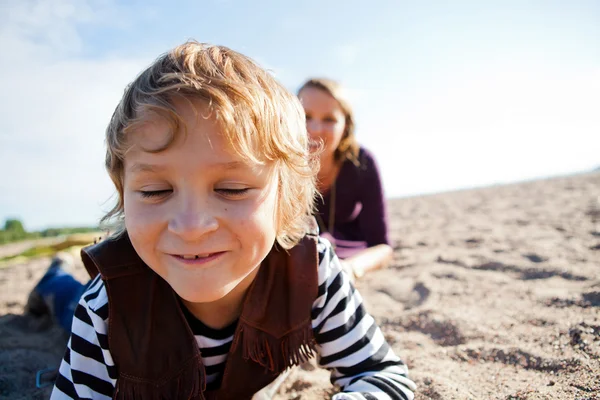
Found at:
(14, 231)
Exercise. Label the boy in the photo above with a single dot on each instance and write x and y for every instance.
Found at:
(212, 286)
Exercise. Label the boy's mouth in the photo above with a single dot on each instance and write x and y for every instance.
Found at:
(196, 256)
(193, 257)
(198, 259)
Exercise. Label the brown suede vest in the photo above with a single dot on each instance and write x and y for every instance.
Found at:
(154, 349)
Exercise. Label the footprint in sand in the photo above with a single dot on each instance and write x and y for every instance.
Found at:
(439, 387)
(593, 210)
(528, 274)
(406, 296)
(592, 298)
(442, 331)
(473, 242)
(422, 294)
(448, 276)
(535, 258)
(589, 299)
(515, 357)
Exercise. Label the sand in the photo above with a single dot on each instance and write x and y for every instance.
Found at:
(494, 294)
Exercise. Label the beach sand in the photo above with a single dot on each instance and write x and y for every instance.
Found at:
(494, 294)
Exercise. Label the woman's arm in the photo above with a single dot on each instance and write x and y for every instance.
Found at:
(367, 260)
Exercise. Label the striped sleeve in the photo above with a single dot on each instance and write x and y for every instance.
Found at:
(87, 370)
(351, 345)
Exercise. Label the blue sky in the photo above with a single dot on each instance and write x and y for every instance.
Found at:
(447, 95)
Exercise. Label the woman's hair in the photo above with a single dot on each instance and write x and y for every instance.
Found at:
(348, 147)
(260, 120)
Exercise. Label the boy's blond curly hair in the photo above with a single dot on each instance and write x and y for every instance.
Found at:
(259, 118)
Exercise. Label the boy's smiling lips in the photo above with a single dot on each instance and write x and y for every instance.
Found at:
(197, 259)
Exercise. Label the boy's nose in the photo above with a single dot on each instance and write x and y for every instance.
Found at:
(191, 225)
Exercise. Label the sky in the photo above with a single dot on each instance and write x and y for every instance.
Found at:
(447, 94)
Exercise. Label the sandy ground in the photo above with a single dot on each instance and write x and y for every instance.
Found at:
(494, 294)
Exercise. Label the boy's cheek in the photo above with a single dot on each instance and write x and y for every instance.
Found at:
(139, 214)
(258, 213)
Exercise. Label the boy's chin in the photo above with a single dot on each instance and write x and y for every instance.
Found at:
(200, 293)
(202, 296)
(224, 291)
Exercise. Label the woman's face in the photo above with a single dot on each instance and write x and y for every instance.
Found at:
(325, 119)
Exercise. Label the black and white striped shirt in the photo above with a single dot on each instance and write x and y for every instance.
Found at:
(350, 344)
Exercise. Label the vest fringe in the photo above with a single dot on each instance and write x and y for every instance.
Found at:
(295, 348)
(131, 388)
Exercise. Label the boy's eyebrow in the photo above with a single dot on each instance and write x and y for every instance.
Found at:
(232, 165)
(140, 167)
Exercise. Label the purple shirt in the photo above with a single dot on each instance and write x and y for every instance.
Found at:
(360, 208)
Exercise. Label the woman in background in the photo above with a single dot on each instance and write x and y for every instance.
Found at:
(352, 210)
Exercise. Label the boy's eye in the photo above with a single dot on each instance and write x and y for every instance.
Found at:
(232, 192)
(155, 193)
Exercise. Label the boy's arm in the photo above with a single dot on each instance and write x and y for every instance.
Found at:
(87, 370)
(351, 344)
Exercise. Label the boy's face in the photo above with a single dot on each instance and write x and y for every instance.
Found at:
(196, 213)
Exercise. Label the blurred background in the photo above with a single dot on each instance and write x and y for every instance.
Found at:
(448, 95)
